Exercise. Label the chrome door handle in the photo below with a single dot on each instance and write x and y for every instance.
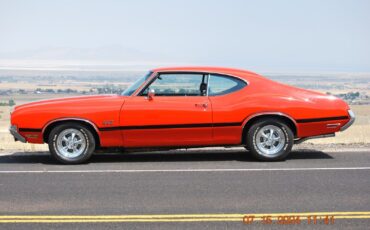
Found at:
(203, 105)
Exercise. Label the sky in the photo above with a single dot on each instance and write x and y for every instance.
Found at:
(259, 35)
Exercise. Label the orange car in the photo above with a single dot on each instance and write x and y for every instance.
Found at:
(184, 107)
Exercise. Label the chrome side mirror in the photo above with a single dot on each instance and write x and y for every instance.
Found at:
(151, 94)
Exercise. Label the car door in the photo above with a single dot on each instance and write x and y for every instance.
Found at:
(179, 113)
(228, 107)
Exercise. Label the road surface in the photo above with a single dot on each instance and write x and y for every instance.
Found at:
(193, 189)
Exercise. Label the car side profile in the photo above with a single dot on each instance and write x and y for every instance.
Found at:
(184, 107)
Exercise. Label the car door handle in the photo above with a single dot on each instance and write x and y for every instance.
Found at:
(202, 105)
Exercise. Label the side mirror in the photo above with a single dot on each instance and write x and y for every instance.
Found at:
(151, 94)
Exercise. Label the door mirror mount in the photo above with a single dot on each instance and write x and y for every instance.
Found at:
(151, 94)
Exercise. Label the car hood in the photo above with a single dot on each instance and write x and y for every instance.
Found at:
(69, 100)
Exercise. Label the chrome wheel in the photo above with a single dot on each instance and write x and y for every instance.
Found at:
(71, 143)
(270, 140)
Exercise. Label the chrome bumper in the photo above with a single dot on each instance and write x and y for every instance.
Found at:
(17, 137)
(298, 141)
(350, 122)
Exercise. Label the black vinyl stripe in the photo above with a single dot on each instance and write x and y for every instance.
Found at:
(29, 130)
(110, 128)
(204, 125)
(321, 119)
(227, 124)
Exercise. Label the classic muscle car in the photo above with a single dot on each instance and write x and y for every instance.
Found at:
(184, 107)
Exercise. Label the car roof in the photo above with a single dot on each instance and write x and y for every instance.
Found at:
(221, 70)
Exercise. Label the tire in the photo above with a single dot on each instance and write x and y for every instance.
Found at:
(66, 151)
(265, 147)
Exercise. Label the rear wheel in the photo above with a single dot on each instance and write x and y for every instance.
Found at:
(270, 140)
(71, 143)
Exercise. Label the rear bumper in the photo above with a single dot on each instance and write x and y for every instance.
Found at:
(350, 122)
(17, 137)
(298, 141)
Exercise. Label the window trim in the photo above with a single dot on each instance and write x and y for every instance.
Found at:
(138, 90)
(208, 78)
(155, 74)
(150, 81)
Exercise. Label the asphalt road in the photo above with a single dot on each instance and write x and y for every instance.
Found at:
(186, 189)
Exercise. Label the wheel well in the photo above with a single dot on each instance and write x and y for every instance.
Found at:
(83, 123)
(283, 119)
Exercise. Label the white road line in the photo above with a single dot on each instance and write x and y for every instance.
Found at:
(181, 170)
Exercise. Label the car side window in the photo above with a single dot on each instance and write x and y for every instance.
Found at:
(221, 85)
(178, 84)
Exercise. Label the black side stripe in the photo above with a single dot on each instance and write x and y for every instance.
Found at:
(204, 125)
(29, 130)
(321, 119)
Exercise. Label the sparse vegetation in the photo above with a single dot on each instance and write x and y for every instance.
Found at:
(10, 102)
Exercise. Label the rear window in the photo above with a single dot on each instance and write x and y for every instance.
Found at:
(221, 85)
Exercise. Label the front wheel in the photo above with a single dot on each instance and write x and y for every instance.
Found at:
(270, 140)
(71, 143)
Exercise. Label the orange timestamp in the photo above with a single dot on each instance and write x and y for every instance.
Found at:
(290, 219)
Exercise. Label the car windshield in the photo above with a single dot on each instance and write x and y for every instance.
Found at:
(130, 90)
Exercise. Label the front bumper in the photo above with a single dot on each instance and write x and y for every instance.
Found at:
(350, 122)
(17, 137)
